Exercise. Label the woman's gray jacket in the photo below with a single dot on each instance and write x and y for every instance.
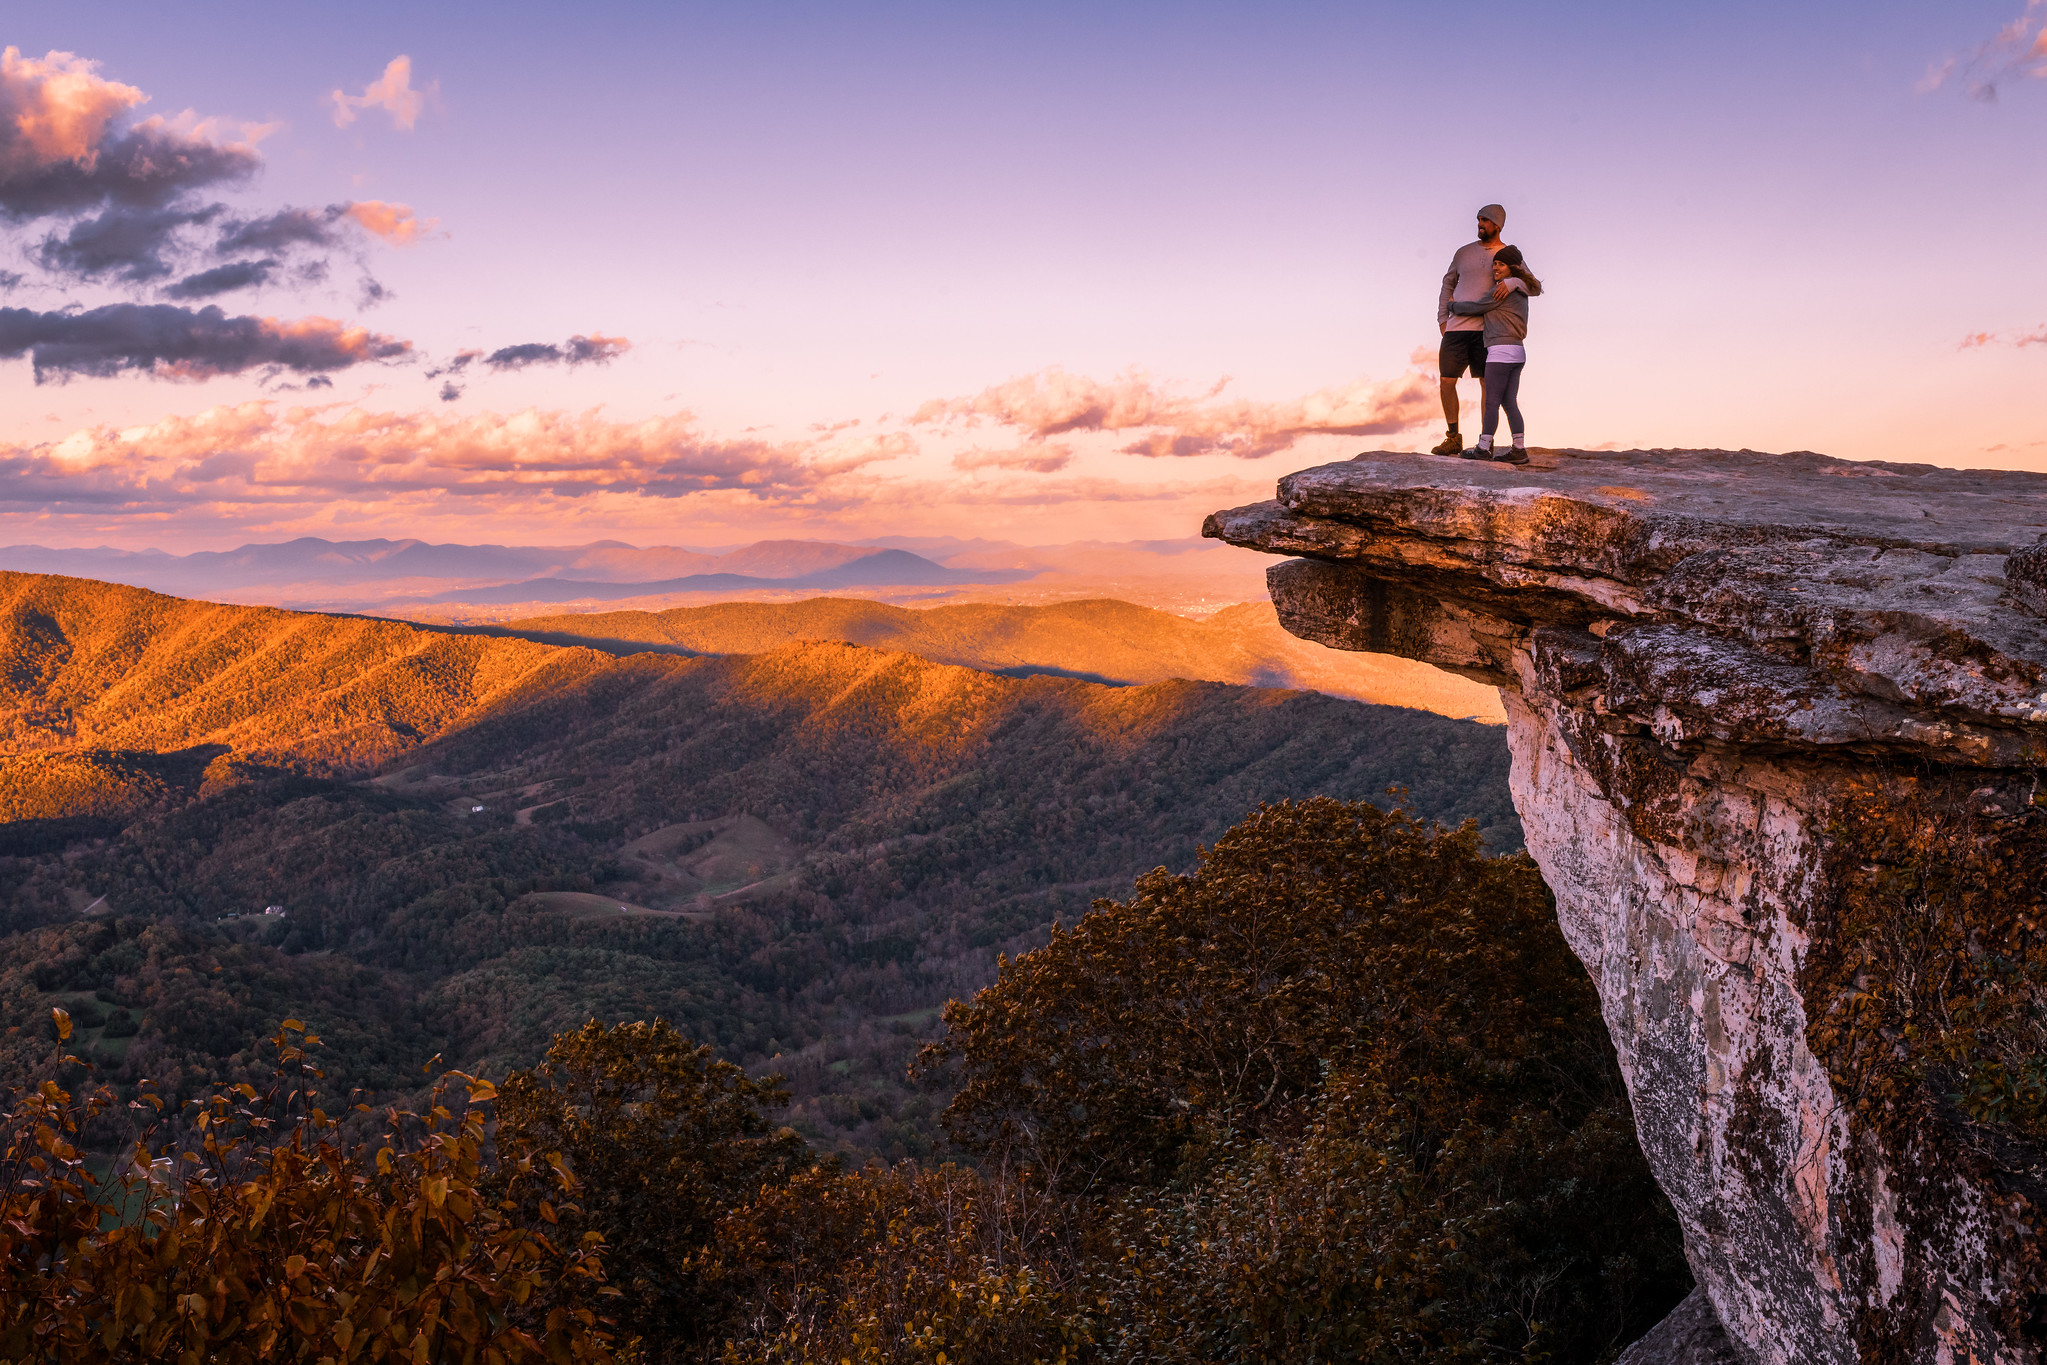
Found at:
(1506, 320)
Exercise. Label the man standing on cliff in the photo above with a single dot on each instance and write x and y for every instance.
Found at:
(1469, 279)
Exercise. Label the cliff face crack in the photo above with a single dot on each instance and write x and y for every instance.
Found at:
(1777, 725)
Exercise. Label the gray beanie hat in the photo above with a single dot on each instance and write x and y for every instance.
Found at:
(1496, 213)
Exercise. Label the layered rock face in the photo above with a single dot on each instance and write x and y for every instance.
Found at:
(1778, 723)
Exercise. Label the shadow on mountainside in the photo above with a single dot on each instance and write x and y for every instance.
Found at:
(890, 825)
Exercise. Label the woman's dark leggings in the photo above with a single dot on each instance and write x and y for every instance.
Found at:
(1503, 390)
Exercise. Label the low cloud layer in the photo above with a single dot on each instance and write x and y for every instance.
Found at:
(392, 92)
(273, 465)
(2018, 51)
(310, 458)
(183, 343)
(1054, 403)
(1037, 459)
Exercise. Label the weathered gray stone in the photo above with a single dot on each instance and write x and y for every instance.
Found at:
(1691, 1335)
(1707, 657)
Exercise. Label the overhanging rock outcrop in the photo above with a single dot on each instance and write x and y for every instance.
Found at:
(1778, 725)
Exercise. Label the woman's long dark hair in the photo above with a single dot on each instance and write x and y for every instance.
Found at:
(1510, 257)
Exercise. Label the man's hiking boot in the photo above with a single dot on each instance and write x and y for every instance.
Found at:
(1450, 445)
(1511, 455)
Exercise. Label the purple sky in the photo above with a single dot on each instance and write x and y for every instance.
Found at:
(903, 269)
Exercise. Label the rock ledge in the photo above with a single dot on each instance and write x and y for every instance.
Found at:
(1750, 698)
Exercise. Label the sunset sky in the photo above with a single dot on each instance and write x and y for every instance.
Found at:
(702, 274)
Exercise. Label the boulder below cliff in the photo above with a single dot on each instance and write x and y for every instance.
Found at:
(1778, 724)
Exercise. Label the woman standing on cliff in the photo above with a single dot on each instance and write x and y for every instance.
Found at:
(1506, 327)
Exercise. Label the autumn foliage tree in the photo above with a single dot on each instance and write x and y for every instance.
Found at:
(262, 1235)
(1343, 1092)
(664, 1140)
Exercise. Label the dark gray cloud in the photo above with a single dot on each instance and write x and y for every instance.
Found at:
(182, 343)
(122, 243)
(144, 167)
(450, 391)
(577, 350)
(519, 357)
(222, 279)
(117, 202)
(283, 231)
(462, 361)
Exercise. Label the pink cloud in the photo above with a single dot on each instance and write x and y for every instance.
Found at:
(1054, 403)
(56, 109)
(392, 92)
(63, 149)
(395, 223)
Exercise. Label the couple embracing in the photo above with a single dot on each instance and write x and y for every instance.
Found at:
(1483, 316)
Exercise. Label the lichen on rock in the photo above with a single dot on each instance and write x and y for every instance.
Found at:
(1778, 724)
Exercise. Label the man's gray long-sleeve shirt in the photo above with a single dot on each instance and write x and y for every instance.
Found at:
(1469, 279)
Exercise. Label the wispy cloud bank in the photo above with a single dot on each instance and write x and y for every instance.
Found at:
(2036, 337)
(1036, 459)
(392, 92)
(291, 228)
(1054, 403)
(310, 456)
(1086, 448)
(260, 464)
(594, 349)
(2018, 51)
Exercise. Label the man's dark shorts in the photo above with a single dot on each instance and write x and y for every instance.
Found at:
(1461, 351)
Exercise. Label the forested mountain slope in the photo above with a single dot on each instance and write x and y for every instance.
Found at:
(97, 665)
(797, 855)
(1104, 640)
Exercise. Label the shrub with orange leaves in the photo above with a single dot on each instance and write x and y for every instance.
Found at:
(263, 1235)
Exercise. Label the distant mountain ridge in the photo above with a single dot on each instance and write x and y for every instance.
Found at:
(542, 573)
(881, 568)
(469, 584)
